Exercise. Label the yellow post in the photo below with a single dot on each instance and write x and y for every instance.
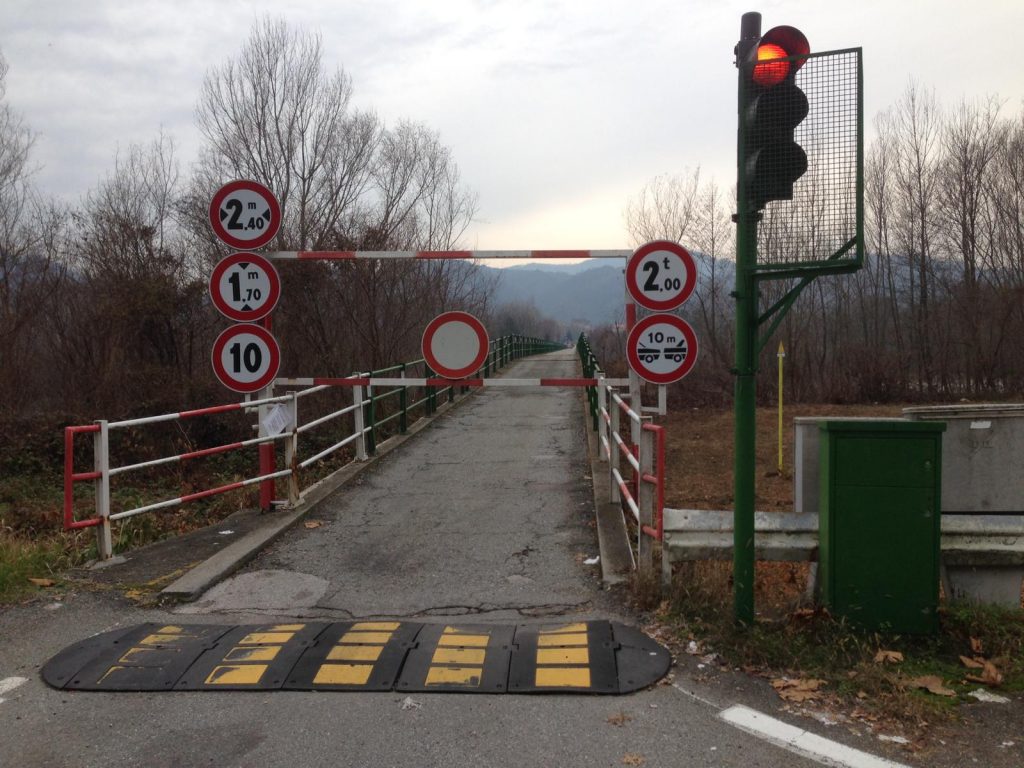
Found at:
(782, 356)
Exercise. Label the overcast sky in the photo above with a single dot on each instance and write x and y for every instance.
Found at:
(557, 112)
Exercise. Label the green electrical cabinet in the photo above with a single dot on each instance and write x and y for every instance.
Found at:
(879, 522)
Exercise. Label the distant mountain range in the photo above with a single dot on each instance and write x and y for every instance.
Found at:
(572, 293)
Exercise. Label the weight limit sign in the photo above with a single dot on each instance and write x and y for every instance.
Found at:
(661, 275)
(662, 349)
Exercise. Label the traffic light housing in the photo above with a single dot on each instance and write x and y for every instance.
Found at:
(773, 107)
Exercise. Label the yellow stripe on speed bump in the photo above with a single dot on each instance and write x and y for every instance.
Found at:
(563, 677)
(459, 656)
(365, 638)
(236, 674)
(549, 656)
(355, 653)
(454, 638)
(256, 653)
(343, 674)
(468, 676)
(266, 638)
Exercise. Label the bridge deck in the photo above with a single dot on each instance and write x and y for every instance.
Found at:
(484, 514)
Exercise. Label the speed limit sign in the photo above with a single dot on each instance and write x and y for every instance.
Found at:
(245, 287)
(245, 215)
(246, 358)
(661, 275)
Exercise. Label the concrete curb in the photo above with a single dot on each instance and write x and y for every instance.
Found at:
(228, 560)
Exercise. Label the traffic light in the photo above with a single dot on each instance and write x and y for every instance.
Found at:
(774, 107)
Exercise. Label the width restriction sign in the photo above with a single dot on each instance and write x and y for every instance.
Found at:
(661, 349)
(245, 287)
(661, 275)
(245, 215)
(455, 345)
(246, 358)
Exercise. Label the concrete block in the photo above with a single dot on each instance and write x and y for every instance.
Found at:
(995, 585)
(982, 456)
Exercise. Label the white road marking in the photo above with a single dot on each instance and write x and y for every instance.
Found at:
(802, 742)
(8, 684)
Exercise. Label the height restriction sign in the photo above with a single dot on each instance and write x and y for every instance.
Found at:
(246, 358)
(245, 287)
(245, 215)
(661, 275)
(661, 349)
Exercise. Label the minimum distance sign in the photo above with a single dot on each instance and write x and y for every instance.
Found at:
(455, 344)
(661, 275)
(245, 287)
(661, 348)
(246, 358)
(245, 214)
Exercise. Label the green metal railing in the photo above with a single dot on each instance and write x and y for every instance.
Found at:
(591, 370)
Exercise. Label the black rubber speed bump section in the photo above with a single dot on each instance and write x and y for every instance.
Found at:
(355, 656)
(572, 657)
(251, 658)
(149, 657)
(639, 660)
(564, 658)
(459, 658)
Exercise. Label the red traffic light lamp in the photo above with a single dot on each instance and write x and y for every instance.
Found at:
(772, 107)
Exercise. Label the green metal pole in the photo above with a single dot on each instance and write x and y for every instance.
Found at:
(746, 355)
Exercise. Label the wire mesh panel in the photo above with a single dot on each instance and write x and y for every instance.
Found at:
(821, 228)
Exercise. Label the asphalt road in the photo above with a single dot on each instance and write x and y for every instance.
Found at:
(483, 517)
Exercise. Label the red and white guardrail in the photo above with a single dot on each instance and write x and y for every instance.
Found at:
(436, 255)
(365, 381)
(645, 454)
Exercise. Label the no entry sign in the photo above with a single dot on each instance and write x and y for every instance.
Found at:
(455, 344)
(661, 349)
(245, 287)
(661, 275)
(245, 215)
(246, 358)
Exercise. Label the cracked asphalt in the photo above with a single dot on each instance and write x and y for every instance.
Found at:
(486, 514)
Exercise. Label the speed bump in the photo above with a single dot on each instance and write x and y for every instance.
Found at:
(590, 657)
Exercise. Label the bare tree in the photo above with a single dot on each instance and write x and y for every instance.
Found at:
(667, 208)
(30, 232)
(273, 114)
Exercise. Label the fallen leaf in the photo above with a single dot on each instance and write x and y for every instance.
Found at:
(888, 657)
(313, 523)
(43, 582)
(932, 684)
(797, 690)
(989, 675)
(972, 663)
(632, 758)
(620, 719)
(976, 647)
